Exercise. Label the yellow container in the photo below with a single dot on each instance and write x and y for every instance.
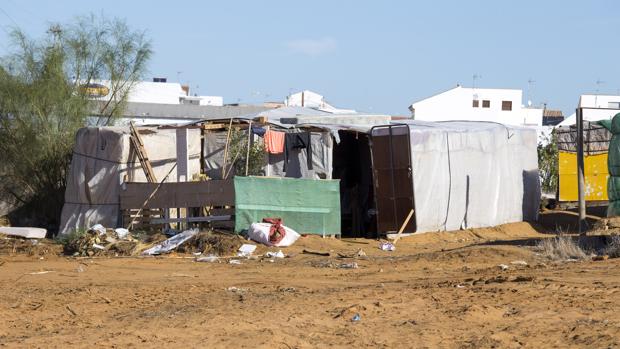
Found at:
(596, 174)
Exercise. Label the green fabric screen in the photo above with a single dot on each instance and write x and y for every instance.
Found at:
(308, 206)
(613, 164)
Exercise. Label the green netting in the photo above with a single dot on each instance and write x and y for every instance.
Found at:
(613, 163)
(308, 206)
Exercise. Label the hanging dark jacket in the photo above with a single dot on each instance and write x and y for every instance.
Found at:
(298, 141)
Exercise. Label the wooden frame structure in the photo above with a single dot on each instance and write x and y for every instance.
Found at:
(202, 201)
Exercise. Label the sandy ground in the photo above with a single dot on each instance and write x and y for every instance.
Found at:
(440, 290)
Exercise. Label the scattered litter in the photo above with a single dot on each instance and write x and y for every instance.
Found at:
(348, 265)
(360, 253)
(25, 232)
(524, 263)
(503, 267)
(210, 259)
(171, 243)
(71, 310)
(459, 286)
(80, 269)
(387, 246)
(197, 253)
(235, 289)
(264, 233)
(318, 253)
(41, 272)
(99, 247)
(234, 261)
(100, 229)
(278, 254)
(121, 233)
(356, 318)
(246, 250)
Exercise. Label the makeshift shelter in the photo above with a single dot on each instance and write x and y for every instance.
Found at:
(453, 175)
(460, 175)
(103, 157)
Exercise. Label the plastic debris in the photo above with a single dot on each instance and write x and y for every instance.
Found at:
(25, 232)
(234, 261)
(100, 229)
(387, 246)
(99, 247)
(209, 259)
(519, 263)
(503, 267)
(246, 250)
(172, 243)
(348, 265)
(356, 318)
(278, 254)
(121, 233)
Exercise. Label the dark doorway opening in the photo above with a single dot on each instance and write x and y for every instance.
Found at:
(353, 166)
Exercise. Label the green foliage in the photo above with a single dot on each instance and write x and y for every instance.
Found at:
(548, 163)
(238, 153)
(43, 104)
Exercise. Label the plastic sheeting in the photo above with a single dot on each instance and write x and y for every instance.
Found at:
(613, 164)
(473, 174)
(306, 205)
(102, 156)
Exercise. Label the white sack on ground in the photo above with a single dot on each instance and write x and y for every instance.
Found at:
(259, 232)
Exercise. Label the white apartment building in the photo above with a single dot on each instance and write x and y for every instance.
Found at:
(596, 107)
(158, 91)
(477, 104)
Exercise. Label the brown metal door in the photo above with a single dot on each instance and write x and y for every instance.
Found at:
(391, 162)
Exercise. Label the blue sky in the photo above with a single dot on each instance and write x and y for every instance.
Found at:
(374, 56)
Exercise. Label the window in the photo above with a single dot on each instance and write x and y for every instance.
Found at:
(613, 105)
(475, 103)
(506, 105)
(486, 103)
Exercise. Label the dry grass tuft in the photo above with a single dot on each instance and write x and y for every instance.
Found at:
(561, 248)
(613, 249)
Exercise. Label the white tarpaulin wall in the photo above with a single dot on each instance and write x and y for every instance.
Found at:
(473, 174)
(102, 156)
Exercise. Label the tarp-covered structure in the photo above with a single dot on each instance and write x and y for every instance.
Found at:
(102, 157)
(473, 174)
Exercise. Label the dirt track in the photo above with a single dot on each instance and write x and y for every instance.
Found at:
(417, 296)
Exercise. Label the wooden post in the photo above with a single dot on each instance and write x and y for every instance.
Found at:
(226, 149)
(247, 154)
(580, 173)
(402, 227)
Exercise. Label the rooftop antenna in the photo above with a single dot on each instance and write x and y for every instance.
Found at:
(473, 83)
(474, 78)
(530, 82)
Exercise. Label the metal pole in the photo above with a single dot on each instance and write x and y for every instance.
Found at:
(580, 173)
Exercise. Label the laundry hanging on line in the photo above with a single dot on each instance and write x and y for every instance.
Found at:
(298, 141)
(274, 142)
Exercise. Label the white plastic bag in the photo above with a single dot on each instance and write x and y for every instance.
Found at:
(259, 232)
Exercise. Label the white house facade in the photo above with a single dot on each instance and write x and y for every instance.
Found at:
(477, 104)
